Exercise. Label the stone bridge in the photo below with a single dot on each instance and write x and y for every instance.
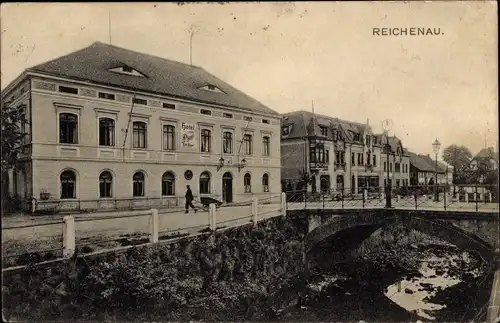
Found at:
(471, 231)
(478, 231)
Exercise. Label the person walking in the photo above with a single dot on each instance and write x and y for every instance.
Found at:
(189, 199)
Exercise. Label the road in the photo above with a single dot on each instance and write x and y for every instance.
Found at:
(109, 225)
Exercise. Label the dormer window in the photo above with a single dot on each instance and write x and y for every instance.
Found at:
(285, 131)
(211, 88)
(126, 70)
(324, 131)
(339, 135)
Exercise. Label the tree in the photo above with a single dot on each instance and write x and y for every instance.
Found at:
(459, 157)
(12, 138)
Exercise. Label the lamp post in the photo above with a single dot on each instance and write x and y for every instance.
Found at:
(387, 125)
(435, 147)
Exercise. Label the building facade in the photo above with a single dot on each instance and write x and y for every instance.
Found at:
(109, 127)
(395, 162)
(327, 154)
(423, 171)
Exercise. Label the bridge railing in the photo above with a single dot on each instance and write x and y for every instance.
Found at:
(418, 197)
(60, 239)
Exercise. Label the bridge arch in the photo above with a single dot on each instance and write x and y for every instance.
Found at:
(332, 225)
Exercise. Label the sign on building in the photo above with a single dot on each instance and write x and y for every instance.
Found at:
(188, 136)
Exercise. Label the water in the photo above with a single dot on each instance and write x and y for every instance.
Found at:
(416, 291)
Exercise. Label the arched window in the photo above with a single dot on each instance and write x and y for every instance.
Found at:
(247, 181)
(205, 183)
(138, 184)
(139, 134)
(105, 184)
(227, 142)
(106, 132)
(68, 185)
(266, 143)
(168, 184)
(68, 128)
(265, 182)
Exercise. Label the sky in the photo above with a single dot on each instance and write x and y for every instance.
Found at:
(288, 55)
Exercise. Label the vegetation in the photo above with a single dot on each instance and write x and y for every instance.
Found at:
(229, 275)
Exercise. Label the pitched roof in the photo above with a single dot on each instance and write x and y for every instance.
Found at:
(487, 153)
(424, 163)
(302, 124)
(162, 76)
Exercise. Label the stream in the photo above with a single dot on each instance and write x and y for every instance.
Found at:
(445, 284)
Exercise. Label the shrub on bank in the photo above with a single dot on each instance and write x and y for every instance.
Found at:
(228, 275)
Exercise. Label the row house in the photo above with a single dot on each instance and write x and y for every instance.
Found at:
(423, 170)
(395, 161)
(107, 124)
(328, 154)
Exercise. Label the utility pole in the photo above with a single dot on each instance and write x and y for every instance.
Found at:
(191, 48)
(109, 26)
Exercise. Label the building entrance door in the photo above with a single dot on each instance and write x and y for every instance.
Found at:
(227, 187)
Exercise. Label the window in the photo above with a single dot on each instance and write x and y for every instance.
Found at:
(265, 121)
(205, 183)
(168, 137)
(105, 184)
(107, 96)
(323, 130)
(247, 118)
(339, 135)
(127, 69)
(247, 181)
(22, 117)
(168, 106)
(139, 134)
(339, 157)
(227, 142)
(385, 166)
(140, 101)
(327, 156)
(353, 160)
(285, 131)
(68, 185)
(67, 89)
(312, 154)
(368, 140)
(205, 140)
(368, 159)
(247, 142)
(266, 142)
(227, 115)
(374, 160)
(206, 112)
(356, 137)
(397, 167)
(68, 128)
(106, 132)
(138, 184)
(390, 167)
(168, 184)
(265, 182)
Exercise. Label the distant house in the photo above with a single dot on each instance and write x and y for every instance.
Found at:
(486, 154)
(423, 170)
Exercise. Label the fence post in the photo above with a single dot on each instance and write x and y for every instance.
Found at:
(475, 196)
(33, 205)
(444, 199)
(212, 216)
(342, 198)
(324, 193)
(153, 226)
(466, 197)
(364, 198)
(489, 197)
(69, 243)
(416, 200)
(255, 210)
(305, 199)
(283, 204)
(382, 196)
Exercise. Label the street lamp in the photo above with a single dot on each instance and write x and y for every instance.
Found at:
(436, 145)
(387, 125)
